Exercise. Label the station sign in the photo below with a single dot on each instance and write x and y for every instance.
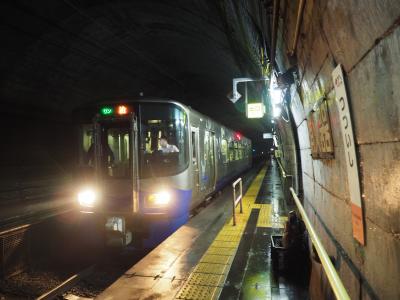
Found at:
(267, 136)
(255, 110)
(350, 154)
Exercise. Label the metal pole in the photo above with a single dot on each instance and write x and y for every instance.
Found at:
(275, 25)
(234, 199)
(241, 196)
(298, 23)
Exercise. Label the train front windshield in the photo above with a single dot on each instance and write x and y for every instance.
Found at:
(163, 149)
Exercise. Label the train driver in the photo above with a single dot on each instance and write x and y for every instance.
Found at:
(165, 147)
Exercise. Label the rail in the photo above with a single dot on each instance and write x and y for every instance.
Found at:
(67, 284)
(333, 277)
(284, 175)
(238, 199)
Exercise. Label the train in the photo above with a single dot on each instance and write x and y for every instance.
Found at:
(150, 164)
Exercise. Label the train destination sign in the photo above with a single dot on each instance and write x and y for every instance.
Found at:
(350, 153)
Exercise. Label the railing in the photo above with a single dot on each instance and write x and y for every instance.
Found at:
(238, 199)
(287, 181)
(333, 277)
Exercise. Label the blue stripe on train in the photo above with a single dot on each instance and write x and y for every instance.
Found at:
(177, 214)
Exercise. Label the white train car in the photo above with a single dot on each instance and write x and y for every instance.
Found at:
(150, 162)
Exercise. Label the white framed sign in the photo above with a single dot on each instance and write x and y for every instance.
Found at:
(350, 153)
(255, 110)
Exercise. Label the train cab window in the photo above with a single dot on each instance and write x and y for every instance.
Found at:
(115, 150)
(163, 149)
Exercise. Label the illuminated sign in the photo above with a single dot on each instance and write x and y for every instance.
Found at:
(117, 110)
(122, 110)
(267, 136)
(255, 110)
(106, 110)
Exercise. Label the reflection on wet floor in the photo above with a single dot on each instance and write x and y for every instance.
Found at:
(251, 275)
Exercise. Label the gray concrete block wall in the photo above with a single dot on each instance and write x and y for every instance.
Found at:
(363, 36)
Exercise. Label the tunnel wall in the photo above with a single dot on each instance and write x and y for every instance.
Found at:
(38, 154)
(363, 36)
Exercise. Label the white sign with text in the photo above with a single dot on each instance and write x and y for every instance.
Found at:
(350, 153)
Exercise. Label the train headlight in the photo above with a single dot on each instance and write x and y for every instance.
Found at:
(159, 199)
(87, 197)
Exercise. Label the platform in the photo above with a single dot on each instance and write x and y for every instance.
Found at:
(209, 258)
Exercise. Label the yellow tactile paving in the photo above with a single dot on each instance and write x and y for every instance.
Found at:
(221, 251)
(216, 259)
(211, 271)
(211, 268)
(190, 291)
(264, 216)
(228, 237)
(205, 279)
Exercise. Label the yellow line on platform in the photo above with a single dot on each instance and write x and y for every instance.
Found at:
(208, 276)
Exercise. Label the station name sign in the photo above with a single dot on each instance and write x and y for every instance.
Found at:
(350, 153)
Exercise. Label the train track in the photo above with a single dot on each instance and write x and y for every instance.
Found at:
(67, 284)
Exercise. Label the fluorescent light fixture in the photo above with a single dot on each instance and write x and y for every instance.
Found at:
(276, 111)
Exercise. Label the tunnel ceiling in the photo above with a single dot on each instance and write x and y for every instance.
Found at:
(59, 55)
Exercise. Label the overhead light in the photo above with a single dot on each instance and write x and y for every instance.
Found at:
(276, 111)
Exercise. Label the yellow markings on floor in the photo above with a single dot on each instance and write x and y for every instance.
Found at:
(264, 216)
(208, 277)
(267, 219)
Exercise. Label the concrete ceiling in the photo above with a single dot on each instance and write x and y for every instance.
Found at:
(58, 55)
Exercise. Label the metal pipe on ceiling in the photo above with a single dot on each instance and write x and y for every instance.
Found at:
(275, 18)
(298, 23)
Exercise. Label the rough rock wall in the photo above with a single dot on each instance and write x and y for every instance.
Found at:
(363, 36)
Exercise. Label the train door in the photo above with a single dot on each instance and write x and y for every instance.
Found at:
(116, 168)
(208, 163)
(213, 175)
(195, 162)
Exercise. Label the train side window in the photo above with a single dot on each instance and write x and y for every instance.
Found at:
(194, 151)
(240, 150)
(231, 151)
(224, 150)
(236, 150)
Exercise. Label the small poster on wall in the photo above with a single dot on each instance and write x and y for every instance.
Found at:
(320, 131)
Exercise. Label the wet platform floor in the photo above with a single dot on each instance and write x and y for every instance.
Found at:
(209, 258)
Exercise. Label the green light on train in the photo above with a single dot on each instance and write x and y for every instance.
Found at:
(105, 111)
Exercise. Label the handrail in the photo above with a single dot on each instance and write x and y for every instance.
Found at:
(238, 199)
(333, 277)
(284, 175)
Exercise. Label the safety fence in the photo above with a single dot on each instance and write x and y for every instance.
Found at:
(237, 200)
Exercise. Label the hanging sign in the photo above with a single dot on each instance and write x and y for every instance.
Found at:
(255, 110)
(350, 153)
(267, 136)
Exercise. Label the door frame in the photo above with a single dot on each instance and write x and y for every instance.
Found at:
(196, 166)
